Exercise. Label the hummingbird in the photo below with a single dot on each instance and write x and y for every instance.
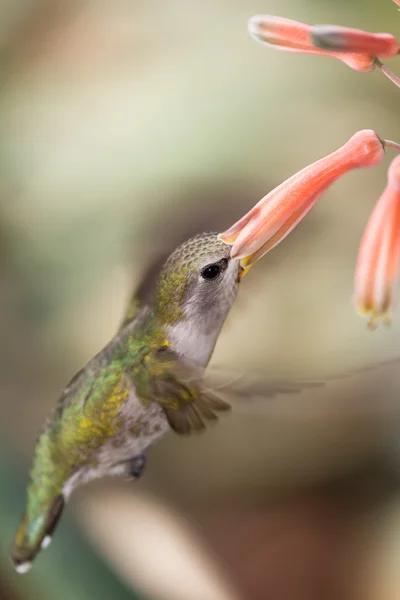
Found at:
(150, 379)
(147, 381)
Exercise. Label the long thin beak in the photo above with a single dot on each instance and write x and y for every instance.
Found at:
(248, 261)
(243, 269)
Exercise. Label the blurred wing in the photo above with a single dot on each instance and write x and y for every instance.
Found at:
(133, 308)
(374, 389)
(142, 295)
(244, 387)
(190, 398)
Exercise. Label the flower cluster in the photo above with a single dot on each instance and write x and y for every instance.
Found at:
(276, 215)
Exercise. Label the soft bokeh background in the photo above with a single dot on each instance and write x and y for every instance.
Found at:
(126, 126)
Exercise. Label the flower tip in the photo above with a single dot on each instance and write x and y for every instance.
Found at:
(226, 239)
(387, 320)
(280, 33)
(229, 236)
(253, 26)
(373, 323)
(258, 26)
(375, 317)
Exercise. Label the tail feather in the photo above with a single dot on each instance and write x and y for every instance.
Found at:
(35, 534)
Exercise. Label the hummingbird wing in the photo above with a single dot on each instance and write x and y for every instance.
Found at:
(133, 308)
(371, 389)
(240, 385)
(143, 293)
(190, 397)
(179, 388)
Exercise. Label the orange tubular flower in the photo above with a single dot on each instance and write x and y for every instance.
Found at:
(378, 264)
(274, 217)
(345, 39)
(293, 36)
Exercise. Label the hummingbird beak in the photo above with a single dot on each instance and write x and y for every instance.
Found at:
(243, 271)
(248, 261)
(245, 264)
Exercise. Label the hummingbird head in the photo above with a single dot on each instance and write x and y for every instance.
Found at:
(195, 292)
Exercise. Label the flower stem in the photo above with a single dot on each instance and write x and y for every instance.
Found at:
(391, 144)
(386, 71)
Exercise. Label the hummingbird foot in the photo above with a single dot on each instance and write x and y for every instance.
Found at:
(135, 466)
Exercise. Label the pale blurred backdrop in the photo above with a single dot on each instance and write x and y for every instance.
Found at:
(126, 126)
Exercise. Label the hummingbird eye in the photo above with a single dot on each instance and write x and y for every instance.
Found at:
(212, 271)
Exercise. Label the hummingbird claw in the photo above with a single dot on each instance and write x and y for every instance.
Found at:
(136, 466)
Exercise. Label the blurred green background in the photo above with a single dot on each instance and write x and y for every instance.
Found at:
(125, 127)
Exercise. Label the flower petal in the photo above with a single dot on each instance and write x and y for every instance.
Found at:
(378, 263)
(294, 36)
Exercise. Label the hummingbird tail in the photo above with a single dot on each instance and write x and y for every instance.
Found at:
(191, 416)
(35, 534)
